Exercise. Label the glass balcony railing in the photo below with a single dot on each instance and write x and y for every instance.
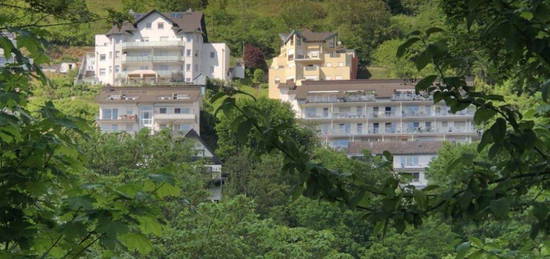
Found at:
(131, 59)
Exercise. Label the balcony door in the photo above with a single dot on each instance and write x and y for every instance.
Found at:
(146, 116)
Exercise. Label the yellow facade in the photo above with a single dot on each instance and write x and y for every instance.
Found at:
(310, 55)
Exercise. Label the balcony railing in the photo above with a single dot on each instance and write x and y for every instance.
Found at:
(359, 98)
(174, 116)
(137, 59)
(395, 130)
(120, 118)
(152, 44)
(410, 97)
(322, 99)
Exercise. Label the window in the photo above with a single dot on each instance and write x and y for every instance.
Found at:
(211, 69)
(130, 112)
(188, 52)
(117, 53)
(409, 161)
(162, 110)
(189, 38)
(375, 127)
(102, 57)
(389, 128)
(187, 79)
(145, 39)
(148, 25)
(117, 68)
(114, 127)
(212, 54)
(325, 112)
(196, 53)
(187, 67)
(110, 54)
(109, 114)
(102, 72)
(359, 127)
(184, 127)
(311, 112)
(110, 69)
(177, 110)
(160, 25)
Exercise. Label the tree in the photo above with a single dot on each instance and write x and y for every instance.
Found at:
(517, 146)
(362, 25)
(52, 205)
(254, 58)
(259, 77)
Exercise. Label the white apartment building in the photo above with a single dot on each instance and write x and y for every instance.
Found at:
(380, 115)
(131, 109)
(160, 48)
(346, 111)
(410, 158)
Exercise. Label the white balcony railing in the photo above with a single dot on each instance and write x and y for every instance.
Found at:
(174, 116)
(152, 44)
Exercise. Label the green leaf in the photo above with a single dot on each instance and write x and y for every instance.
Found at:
(168, 190)
(483, 114)
(526, 15)
(406, 45)
(149, 225)
(498, 130)
(388, 156)
(136, 242)
(425, 83)
(423, 59)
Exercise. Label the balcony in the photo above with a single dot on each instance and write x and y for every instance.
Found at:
(310, 57)
(359, 98)
(151, 44)
(174, 116)
(349, 115)
(410, 97)
(147, 59)
(416, 113)
(322, 99)
(121, 119)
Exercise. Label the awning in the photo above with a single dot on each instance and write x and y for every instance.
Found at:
(142, 73)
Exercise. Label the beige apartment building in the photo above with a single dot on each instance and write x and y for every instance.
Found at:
(307, 55)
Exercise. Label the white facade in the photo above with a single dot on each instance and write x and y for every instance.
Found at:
(413, 166)
(155, 50)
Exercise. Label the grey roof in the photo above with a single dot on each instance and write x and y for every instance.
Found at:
(382, 87)
(192, 134)
(154, 94)
(182, 22)
(307, 35)
(395, 147)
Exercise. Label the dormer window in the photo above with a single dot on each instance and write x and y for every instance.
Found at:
(148, 25)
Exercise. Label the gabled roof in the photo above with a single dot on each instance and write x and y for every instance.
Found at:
(307, 35)
(192, 134)
(181, 21)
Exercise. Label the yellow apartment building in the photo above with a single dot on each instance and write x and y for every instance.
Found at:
(307, 55)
